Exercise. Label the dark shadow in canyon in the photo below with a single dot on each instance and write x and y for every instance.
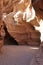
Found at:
(8, 39)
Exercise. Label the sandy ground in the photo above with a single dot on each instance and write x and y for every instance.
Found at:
(17, 55)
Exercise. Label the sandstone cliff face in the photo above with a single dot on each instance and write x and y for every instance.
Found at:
(23, 32)
(2, 32)
(8, 5)
(38, 5)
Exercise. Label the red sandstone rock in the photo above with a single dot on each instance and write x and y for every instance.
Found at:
(8, 5)
(2, 32)
(2, 35)
(35, 35)
(33, 43)
(23, 32)
(38, 5)
(34, 22)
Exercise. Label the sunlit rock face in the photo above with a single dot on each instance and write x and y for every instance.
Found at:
(38, 6)
(38, 57)
(27, 11)
(20, 24)
(40, 28)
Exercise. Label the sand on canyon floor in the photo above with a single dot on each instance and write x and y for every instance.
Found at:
(17, 55)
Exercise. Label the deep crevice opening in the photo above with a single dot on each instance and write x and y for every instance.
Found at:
(9, 40)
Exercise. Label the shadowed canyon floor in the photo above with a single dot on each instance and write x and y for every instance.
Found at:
(17, 55)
